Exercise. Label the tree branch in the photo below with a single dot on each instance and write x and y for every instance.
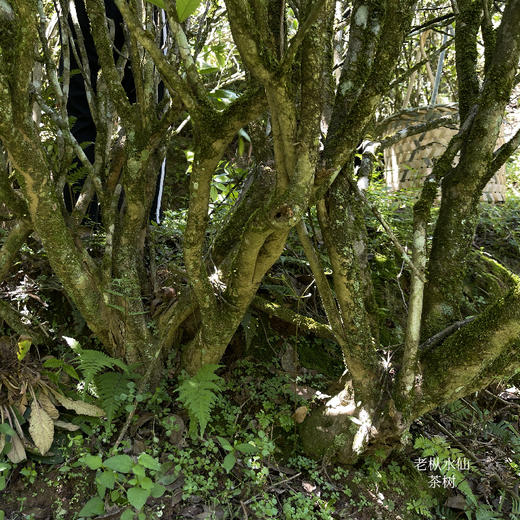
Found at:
(409, 373)
(466, 34)
(443, 334)
(503, 153)
(365, 76)
(192, 73)
(243, 26)
(298, 38)
(301, 322)
(420, 64)
(486, 348)
(439, 20)
(444, 121)
(169, 73)
(12, 244)
(104, 48)
(388, 229)
(324, 290)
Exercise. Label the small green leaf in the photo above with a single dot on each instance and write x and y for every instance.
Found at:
(246, 448)
(241, 147)
(229, 462)
(121, 463)
(146, 483)
(158, 491)
(167, 479)
(106, 479)
(5, 428)
(117, 307)
(139, 470)
(225, 443)
(128, 514)
(53, 363)
(111, 291)
(137, 497)
(93, 507)
(149, 462)
(71, 371)
(92, 461)
(186, 8)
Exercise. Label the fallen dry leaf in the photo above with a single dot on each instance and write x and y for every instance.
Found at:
(300, 414)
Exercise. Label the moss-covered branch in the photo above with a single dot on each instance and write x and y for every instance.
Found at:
(254, 45)
(462, 187)
(377, 33)
(97, 17)
(303, 323)
(342, 225)
(12, 244)
(168, 72)
(469, 359)
(322, 284)
(466, 33)
(299, 37)
(420, 128)
(409, 372)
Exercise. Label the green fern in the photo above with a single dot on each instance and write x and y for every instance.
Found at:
(106, 384)
(459, 410)
(109, 386)
(198, 395)
(504, 431)
(93, 362)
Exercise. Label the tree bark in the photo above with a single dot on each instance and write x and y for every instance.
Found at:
(461, 189)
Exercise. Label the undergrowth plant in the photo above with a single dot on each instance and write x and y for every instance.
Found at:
(198, 395)
(99, 377)
(125, 482)
(445, 459)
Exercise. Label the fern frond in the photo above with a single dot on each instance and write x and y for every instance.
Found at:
(498, 430)
(459, 410)
(109, 386)
(515, 506)
(198, 395)
(92, 362)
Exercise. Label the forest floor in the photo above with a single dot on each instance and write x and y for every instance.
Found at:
(461, 462)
